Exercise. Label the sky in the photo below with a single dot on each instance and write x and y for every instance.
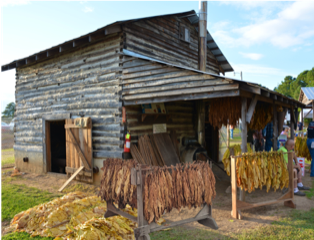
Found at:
(265, 40)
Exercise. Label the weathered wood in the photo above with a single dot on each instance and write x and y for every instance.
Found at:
(71, 178)
(275, 128)
(183, 91)
(202, 29)
(251, 109)
(244, 125)
(292, 122)
(83, 172)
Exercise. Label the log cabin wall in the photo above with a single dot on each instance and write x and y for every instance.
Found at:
(159, 38)
(180, 118)
(81, 83)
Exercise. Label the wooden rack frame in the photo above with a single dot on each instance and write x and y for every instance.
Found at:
(238, 205)
(203, 217)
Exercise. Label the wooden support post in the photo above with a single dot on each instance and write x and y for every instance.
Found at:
(201, 122)
(301, 120)
(292, 117)
(290, 202)
(244, 125)
(202, 31)
(228, 135)
(275, 127)
(234, 212)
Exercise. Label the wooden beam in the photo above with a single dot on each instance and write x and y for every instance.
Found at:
(292, 121)
(223, 62)
(112, 29)
(250, 111)
(210, 41)
(66, 47)
(78, 149)
(244, 125)
(71, 178)
(213, 49)
(218, 55)
(234, 211)
(252, 89)
(275, 127)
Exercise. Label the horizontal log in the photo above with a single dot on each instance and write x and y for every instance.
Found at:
(27, 148)
(183, 91)
(186, 97)
(73, 170)
(175, 86)
(108, 154)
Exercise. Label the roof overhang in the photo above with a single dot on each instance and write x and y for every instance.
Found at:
(103, 32)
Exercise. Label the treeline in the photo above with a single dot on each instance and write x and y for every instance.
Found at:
(291, 86)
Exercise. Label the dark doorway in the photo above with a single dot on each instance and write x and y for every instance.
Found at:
(58, 146)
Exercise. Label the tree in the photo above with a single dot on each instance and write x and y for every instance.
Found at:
(291, 86)
(9, 110)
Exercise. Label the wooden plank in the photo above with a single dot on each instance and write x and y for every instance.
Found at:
(251, 109)
(71, 178)
(244, 125)
(73, 170)
(166, 149)
(275, 128)
(292, 121)
(78, 150)
(183, 91)
(48, 147)
(234, 212)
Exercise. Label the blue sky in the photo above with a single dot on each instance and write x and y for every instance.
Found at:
(265, 40)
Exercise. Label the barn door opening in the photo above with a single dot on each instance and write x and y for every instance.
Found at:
(57, 146)
(79, 149)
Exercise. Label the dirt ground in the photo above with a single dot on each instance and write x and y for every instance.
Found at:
(253, 218)
(7, 140)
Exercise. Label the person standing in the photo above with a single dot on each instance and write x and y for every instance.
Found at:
(231, 131)
(268, 135)
(310, 144)
(300, 128)
(258, 141)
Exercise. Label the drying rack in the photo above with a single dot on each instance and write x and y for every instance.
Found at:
(203, 217)
(238, 205)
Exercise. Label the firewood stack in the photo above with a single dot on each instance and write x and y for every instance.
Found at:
(188, 185)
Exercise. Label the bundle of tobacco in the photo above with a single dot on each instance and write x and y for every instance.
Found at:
(254, 170)
(233, 151)
(223, 111)
(165, 188)
(262, 115)
(301, 148)
(188, 185)
(116, 182)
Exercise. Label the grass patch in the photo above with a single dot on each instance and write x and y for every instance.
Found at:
(7, 157)
(310, 193)
(22, 235)
(17, 198)
(184, 233)
(298, 226)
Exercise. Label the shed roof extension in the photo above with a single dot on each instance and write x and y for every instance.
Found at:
(175, 83)
(110, 29)
(306, 95)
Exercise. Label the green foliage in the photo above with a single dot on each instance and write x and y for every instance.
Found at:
(291, 86)
(22, 235)
(17, 198)
(9, 110)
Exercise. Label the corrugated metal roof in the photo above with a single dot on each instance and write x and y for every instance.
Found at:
(308, 92)
(43, 55)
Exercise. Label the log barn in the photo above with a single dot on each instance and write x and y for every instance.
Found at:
(76, 101)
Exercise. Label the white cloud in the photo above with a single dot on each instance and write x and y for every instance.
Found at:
(292, 26)
(252, 56)
(249, 5)
(13, 2)
(257, 69)
(88, 9)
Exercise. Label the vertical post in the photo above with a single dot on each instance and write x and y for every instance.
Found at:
(201, 122)
(202, 30)
(228, 135)
(301, 133)
(275, 128)
(140, 206)
(292, 123)
(290, 203)
(244, 125)
(234, 212)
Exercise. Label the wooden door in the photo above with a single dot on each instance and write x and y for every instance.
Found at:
(79, 148)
